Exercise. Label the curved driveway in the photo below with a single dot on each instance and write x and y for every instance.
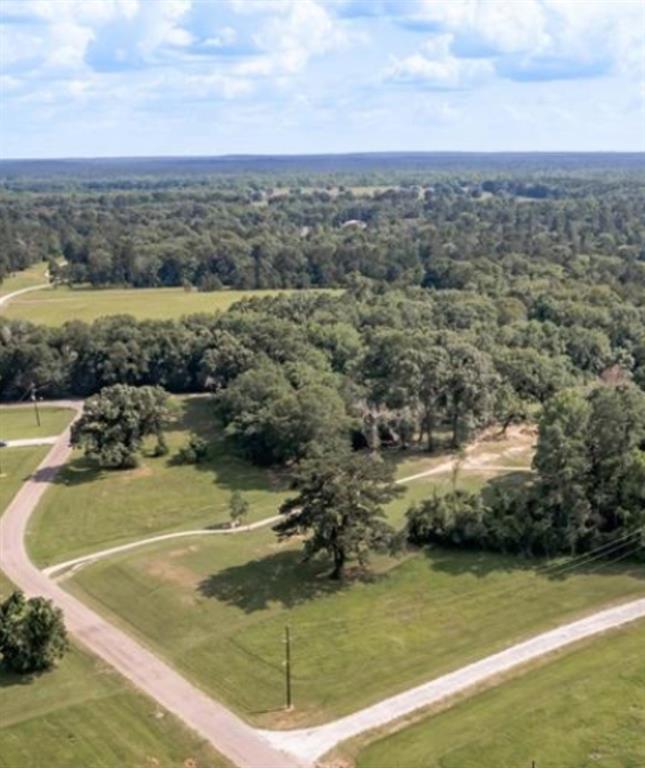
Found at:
(9, 296)
(230, 735)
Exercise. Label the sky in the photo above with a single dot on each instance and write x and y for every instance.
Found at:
(96, 78)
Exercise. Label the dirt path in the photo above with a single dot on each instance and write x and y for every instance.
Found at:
(4, 300)
(231, 736)
(78, 562)
(27, 442)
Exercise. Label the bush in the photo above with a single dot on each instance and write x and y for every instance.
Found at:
(194, 452)
(32, 634)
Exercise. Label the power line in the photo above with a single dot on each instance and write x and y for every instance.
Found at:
(553, 569)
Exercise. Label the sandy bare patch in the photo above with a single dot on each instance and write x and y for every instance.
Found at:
(173, 573)
(183, 551)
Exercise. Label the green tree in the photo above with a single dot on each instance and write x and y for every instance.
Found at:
(32, 634)
(114, 423)
(238, 508)
(562, 462)
(340, 508)
(280, 413)
(471, 383)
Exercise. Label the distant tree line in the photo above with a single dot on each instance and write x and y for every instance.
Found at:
(463, 231)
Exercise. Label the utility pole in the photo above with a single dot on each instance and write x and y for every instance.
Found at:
(35, 401)
(287, 667)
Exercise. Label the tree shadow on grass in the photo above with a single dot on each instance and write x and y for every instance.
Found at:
(76, 472)
(281, 578)
(12, 679)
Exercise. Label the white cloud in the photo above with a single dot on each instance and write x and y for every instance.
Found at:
(436, 67)
(290, 38)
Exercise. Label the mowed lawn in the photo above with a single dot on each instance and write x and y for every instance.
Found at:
(578, 711)
(17, 464)
(57, 305)
(216, 609)
(83, 713)
(89, 509)
(17, 423)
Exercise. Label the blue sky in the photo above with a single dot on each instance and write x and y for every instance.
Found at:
(193, 77)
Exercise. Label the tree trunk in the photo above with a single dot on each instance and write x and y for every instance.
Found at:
(455, 428)
(430, 430)
(339, 565)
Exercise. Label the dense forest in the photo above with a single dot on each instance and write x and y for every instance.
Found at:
(469, 298)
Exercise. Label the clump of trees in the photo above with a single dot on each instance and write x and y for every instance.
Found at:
(279, 413)
(115, 422)
(32, 634)
(589, 490)
(340, 508)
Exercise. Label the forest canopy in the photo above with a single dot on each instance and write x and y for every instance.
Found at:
(468, 298)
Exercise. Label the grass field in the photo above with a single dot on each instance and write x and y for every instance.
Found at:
(216, 609)
(16, 423)
(35, 275)
(82, 713)
(54, 306)
(582, 710)
(17, 464)
(89, 509)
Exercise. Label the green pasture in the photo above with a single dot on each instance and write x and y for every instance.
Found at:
(89, 508)
(216, 609)
(34, 275)
(581, 710)
(56, 305)
(17, 423)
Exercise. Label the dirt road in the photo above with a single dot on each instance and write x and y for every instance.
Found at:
(245, 746)
(236, 740)
(4, 300)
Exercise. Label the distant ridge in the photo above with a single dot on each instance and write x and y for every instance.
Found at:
(89, 168)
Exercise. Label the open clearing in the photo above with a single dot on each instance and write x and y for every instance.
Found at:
(411, 620)
(83, 713)
(584, 709)
(89, 509)
(55, 306)
(216, 607)
(17, 423)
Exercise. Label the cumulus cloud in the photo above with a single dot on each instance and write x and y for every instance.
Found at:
(348, 56)
(537, 39)
(436, 67)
